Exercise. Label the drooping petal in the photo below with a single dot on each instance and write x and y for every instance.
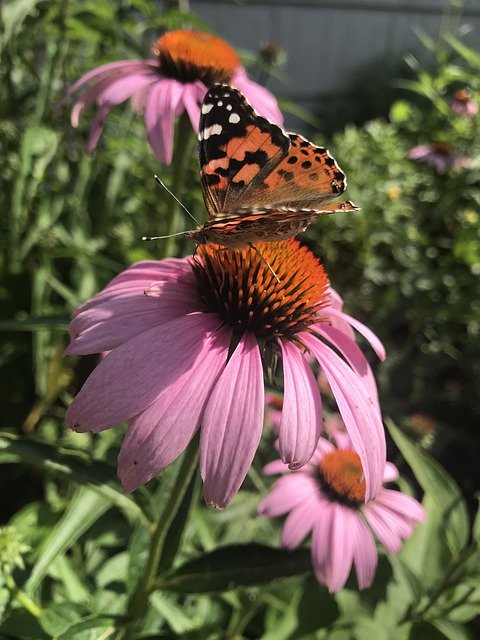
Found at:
(132, 376)
(191, 103)
(260, 98)
(287, 492)
(391, 472)
(299, 522)
(301, 422)
(159, 120)
(358, 410)
(353, 355)
(367, 333)
(402, 504)
(384, 526)
(322, 541)
(232, 423)
(123, 88)
(112, 69)
(96, 127)
(365, 556)
(274, 467)
(341, 546)
(160, 433)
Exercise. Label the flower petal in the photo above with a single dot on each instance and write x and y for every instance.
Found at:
(159, 120)
(232, 423)
(288, 492)
(352, 354)
(96, 127)
(365, 556)
(322, 541)
(358, 410)
(301, 422)
(132, 376)
(113, 69)
(341, 546)
(367, 333)
(161, 432)
(300, 522)
(260, 98)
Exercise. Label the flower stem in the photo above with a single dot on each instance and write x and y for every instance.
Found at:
(21, 597)
(184, 140)
(139, 601)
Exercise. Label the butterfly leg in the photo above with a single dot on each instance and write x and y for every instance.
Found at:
(252, 246)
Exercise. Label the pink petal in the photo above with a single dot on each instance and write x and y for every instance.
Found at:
(88, 98)
(341, 546)
(123, 88)
(301, 422)
(190, 101)
(322, 541)
(161, 432)
(384, 527)
(353, 355)
(402, 504)
(365, 555)
(112, 323)
(287, 493)
(113, 69)
(274, 467)
(391, 472)
(367, 333)
(299, 522)
(260, 98)
(132, 376)
(358, 410)
(160, 109)
(232, 423)
(96, 127)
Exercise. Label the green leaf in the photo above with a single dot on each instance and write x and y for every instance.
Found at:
(13, 15)
(237, 565)
(172, 612)
(90, 628)
(21, 624)
(452, 630)
(56, 619)
(449, 508)
(84, 509)
(476, 525)
(100, 477)
(138, 551)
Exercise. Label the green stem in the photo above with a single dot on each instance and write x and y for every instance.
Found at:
(139, 601)
(21, 597)
(183, 143)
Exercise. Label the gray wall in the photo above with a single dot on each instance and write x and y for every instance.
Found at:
(330, 42)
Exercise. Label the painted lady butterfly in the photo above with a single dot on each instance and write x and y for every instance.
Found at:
(259, 183)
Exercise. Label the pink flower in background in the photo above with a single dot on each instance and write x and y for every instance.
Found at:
(462, 103)
(191, 352)
(176, 80)
(327, 499)
(440, 155)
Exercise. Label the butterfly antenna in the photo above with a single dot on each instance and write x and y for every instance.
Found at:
(172, 235)
(265, 261)
(176, 200)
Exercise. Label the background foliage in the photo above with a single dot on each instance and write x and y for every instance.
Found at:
(408, 265)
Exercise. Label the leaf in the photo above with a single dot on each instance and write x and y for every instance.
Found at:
(20, 624)
(138, 550)
(237, 565)
(476, 526)
(100, 477)
(13, 15)
(35, 324)
(449, 507)
(56, 619)
(173, 613)
(452, 630)
(90, 628)
(83, 510)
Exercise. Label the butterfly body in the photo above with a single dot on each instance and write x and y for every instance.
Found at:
(259, 183)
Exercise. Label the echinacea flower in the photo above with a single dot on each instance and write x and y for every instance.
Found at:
(188, 339)
(461, 102)
(440, 155)
(326, 498)
(176, 80)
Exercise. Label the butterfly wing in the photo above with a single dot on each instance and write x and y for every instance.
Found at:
(237, 149)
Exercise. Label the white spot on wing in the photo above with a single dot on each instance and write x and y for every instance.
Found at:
(214, 130)
(229, 107)
(220, 103)
(234, 118)
(206, 108)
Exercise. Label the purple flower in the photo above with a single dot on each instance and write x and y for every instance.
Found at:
(327, 499)
(186, 63)
(462, 103)
(440, 155)
(188, 340)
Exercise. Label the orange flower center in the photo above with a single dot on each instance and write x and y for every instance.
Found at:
(462, 95)
(341, 475)
(188, 55)
(240, 287)
(442, 147)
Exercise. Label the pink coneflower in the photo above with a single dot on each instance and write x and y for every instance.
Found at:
(440, 155)
(461, 102)
(327, 499)
(188, 340)
(186, 63)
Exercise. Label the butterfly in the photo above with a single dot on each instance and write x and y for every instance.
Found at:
(259, 183)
